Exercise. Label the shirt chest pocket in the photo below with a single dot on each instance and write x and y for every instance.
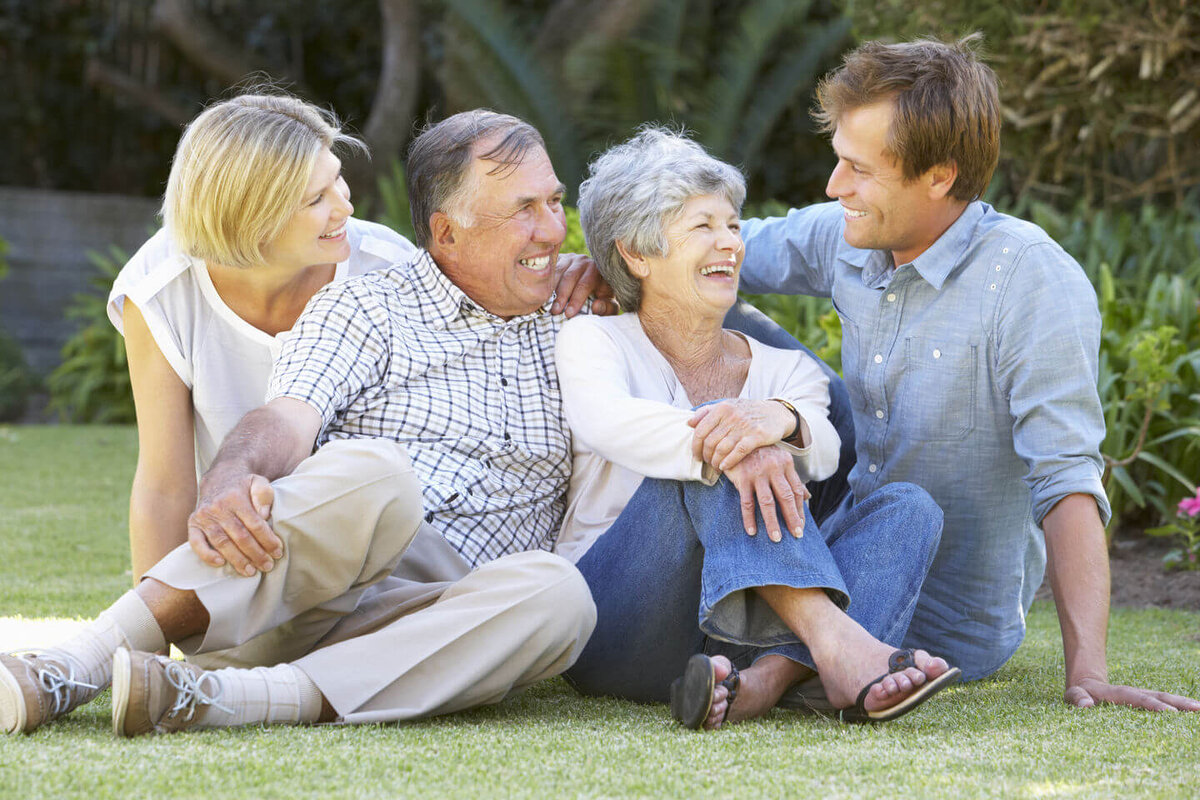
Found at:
(936, 396)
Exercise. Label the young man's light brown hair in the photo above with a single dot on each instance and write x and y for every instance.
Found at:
(947, 106)
(240, 172)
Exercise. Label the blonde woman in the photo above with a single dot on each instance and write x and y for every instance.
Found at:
(256, 219)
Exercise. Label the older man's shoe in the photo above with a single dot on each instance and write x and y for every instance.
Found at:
(154, 694)
(38, 686)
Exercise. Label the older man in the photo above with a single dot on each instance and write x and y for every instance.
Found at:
(403, 572)
(970, 345)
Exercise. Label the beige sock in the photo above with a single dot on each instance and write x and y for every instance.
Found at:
(279, 695)
(126, 623)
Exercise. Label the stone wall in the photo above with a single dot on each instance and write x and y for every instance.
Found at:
(49, 235)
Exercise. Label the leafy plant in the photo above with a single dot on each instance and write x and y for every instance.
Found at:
(1145, 265)
(92, 383)
(17, 381)
(604, 83)
(1186, 525)
(1099, 97)
(392, 193)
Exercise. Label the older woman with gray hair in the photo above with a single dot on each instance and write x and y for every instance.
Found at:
(691, 440)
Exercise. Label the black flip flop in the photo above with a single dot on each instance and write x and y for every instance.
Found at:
(897, 662)
(692, 694)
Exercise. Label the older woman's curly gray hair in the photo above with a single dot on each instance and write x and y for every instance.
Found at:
(636, 189)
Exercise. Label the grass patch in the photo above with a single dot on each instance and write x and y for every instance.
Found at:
(64, 493)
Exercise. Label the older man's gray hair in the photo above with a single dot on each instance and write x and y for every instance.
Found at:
(636, 189)
(439, 162)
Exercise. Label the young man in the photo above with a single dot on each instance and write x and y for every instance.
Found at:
(970, 348)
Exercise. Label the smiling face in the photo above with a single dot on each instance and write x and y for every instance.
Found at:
(699, 273)
(504, 257)
(316, 232)
(883, 211)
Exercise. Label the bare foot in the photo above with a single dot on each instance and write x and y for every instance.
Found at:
(759, 689)
(854, 658)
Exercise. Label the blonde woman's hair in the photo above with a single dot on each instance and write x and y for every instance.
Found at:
(239, 174)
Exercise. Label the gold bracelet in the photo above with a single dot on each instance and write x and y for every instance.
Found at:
(795, 415)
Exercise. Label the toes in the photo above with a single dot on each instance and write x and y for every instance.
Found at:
(716, 715)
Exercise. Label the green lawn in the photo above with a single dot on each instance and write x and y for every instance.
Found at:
(63, 553)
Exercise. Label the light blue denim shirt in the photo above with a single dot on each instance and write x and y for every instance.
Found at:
(972, 373)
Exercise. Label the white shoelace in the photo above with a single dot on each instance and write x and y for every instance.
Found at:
(193, 691)
(56, 680)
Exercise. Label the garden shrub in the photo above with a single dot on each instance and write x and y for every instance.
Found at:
(1101, 98)
(92, 382)
(17, 381)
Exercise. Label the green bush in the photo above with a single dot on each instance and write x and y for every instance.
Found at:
(1145, 266)
(92, 383)
(17, 381)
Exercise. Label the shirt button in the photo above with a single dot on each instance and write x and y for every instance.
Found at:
(1005, 250)
(937, 353)
(997, 268)
(891, 298)
(507, 438)
(872, 469)
(879, 414)
(878, 358)
(992, 287)
(504, 381)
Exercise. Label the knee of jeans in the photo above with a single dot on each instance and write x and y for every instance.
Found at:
(923, 511)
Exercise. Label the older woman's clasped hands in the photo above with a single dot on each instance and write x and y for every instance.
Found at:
(735, 436)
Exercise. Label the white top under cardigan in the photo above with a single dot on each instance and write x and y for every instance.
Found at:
(628, 415)
(224, 360)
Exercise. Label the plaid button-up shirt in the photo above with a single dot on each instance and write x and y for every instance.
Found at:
(403, 354)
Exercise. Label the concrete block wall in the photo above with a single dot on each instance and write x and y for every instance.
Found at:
(49, 234)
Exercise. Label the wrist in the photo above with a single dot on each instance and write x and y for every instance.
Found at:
(794, 429)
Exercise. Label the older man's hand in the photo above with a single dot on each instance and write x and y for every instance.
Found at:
(578, 279)
(230, 524)
(767, 480)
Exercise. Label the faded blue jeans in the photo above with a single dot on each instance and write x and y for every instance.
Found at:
(675, 575)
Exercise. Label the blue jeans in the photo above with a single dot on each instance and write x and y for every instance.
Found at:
(674, 575)
(827, 495)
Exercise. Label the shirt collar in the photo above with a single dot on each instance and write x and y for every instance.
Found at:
(438, 301)
(935, 264)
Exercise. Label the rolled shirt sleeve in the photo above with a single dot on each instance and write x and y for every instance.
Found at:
(1047, 362)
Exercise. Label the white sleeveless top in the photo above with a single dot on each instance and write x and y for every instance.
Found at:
(224, 360)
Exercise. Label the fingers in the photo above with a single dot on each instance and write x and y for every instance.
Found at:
(200, 546)
(1095, 693)
(577, 282)
(703, 421)
(232, 528)
(734, 456)
(766, 504)
(262, 496)
(791, 504)
(746, 502)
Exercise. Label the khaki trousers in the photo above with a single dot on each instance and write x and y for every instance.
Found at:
(375, 606)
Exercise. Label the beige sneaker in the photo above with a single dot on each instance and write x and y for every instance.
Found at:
(38, 686)
(154, 694)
